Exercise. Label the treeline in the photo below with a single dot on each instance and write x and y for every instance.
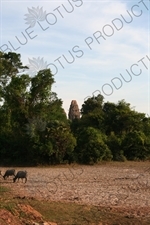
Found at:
(34, 128)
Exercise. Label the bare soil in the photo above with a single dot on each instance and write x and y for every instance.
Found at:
(121, 187)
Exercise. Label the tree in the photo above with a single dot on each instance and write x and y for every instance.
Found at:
(146, 126)
(92, 113)
(28, 104)
(91, 147)
(12, 109)
(50, 142)
(136, 146)
(93, 104)
(120, 118)
(114, 143)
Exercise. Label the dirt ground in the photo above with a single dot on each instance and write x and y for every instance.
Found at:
(118, 186)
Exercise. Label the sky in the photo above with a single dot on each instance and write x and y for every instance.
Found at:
(91, 47)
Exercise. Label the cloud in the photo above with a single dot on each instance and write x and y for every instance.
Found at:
(99, 64)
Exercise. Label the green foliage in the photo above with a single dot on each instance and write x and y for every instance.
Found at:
(120, 118)
(91, 147)
(51, 142)
(28, 107)
(92, 115)
(34, 128)
(115, 145)
(62, 140)
(146, 126)
(136, 146)
(93, 104)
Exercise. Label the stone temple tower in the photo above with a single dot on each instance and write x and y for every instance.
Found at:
(74, 111)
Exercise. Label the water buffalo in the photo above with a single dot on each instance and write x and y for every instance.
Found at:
(21, 174)
(9, 173)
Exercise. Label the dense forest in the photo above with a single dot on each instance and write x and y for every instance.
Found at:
(34, 129)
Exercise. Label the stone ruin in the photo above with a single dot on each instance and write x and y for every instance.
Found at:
(74, 111)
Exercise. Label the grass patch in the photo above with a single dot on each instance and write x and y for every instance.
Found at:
(4, 189)
(5, 199)
(75, 214)
(10, 207)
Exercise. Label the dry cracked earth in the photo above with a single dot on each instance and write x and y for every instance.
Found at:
(121, 186)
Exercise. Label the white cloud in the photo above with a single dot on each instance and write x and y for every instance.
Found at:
(97, 66)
